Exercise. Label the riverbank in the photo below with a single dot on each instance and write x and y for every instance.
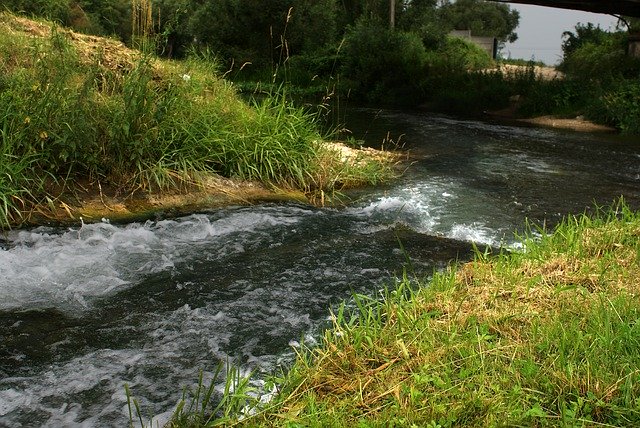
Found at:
(547, 336)
(92, 202)
(578, 124)
(540, 74)
(92, 129)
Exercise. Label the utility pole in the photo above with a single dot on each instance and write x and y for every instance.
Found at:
(392, 14)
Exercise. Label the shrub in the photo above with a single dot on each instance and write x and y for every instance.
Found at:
(604, 62)
(383, 65)
(597, 67)
(453, 85)
(622, 106)
(457, 55)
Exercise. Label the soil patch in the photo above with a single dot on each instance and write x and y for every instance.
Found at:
(575, 124)
(92, 202)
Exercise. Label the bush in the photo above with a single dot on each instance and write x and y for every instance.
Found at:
(622, 106)
(453, 86)
(603, 77)
(604, 62)
(383, 65)
(468, 93)
(457, 55)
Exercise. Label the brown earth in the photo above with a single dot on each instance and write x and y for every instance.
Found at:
(93, 201)
(575, 124)
(578, 123)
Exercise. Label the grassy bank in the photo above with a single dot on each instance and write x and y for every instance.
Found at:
(80, 112)
(547, 336)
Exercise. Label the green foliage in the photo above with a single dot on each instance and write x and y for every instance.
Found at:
(247, 31)
(65, 118)
(564, 98)
(383, 65)
(55, 10)
(583, 34)
(482, 18)
(457, 55)
(601, 78)
(622, 106)
(204, 407)
(100, 17)
(468, 93)
(451, 85)
(422, 18)
(602, 58)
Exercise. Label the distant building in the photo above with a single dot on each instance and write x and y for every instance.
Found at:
(489, 44)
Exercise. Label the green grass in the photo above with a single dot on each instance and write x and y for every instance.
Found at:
(76, 109)
(548, 336)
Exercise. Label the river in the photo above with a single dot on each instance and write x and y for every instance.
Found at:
(85, 310)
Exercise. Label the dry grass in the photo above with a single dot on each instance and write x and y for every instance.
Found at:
(107, 53)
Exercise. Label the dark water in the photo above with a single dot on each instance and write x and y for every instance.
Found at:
(86, 310)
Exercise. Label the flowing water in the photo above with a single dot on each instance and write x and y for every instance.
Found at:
(85, 310)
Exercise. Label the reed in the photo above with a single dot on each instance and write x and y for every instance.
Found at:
(142, 25)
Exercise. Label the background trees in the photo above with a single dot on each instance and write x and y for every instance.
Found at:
(482, 18)
(260, 31)
(315, 38)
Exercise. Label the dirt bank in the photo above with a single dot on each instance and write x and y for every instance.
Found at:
(91, 201)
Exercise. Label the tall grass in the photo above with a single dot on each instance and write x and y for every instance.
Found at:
(73, 111)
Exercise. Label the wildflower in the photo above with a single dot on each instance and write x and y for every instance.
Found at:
(43, 135)
(186, 77)
(27, 120)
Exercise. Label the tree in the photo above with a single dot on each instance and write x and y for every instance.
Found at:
(583, 34)
(247, 30)
(382, 64)
(482, 18)
(422, 18)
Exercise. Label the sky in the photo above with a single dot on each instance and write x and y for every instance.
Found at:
(540, 31)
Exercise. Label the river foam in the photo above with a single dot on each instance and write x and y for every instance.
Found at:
(69, 269)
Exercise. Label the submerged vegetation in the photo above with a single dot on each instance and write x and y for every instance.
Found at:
(546, 336)
(79, 110)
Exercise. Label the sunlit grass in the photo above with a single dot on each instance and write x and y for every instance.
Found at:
(76, 108)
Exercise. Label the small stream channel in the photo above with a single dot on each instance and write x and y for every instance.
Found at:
(85, 310)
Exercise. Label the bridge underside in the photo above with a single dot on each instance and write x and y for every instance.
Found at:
(611, 7)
